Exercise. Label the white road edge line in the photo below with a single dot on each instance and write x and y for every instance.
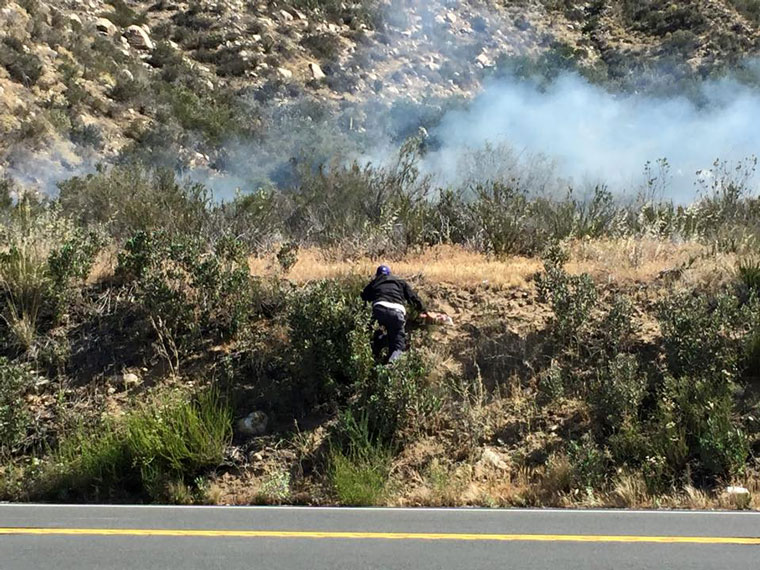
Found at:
(465, 510)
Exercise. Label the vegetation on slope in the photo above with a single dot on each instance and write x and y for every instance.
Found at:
(134, 329)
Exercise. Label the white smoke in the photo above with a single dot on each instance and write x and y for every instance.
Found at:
(589, 134)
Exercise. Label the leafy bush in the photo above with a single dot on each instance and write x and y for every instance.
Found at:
(503, 214)
(700, 335)
(589, 463)
(187, 290)
(617, 393)
(328, 331)
(15, 417)
(703, 410)
(571, 297)
(396, 401)
(22, 66)
(130, 198)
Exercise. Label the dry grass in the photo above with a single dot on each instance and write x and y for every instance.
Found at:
(621, 261)
(607, 260)
(443, 264)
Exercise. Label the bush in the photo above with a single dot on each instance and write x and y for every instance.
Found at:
(702, 409)
(187, 290)
(589, 463)
(15, 417)
(132, 198)
(617, 393)
(396, 401)
(702, 337)
(124, 16)
(571, 298)
(23, 67)
(45, 263)
(328, 330)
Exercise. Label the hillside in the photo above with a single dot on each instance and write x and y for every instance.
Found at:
(203, 85)
(194, 193)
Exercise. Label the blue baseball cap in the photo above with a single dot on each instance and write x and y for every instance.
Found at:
(383, 270)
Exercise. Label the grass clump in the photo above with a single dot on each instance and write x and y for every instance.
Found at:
(166, 439)
(360, 465)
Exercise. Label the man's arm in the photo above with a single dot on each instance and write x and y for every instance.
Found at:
(413, 298)
(367, 294)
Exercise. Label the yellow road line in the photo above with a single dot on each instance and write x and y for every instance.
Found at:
(380, 535)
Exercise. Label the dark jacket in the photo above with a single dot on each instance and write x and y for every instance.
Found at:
(391, 289)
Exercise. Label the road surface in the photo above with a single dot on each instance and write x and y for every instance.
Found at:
(34, 537)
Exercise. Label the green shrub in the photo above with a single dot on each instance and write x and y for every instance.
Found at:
(23, 67)
(130, 198)
(589, 462)
(328, 330)
(15, 416)
(700, 335)
(571, 298)
(750, 8)
(503, 214)
(617, 392)
(188, 290)
(396, 401)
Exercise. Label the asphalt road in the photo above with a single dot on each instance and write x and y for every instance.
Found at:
(35, 537)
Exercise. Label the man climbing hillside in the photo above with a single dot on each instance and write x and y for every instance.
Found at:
(389, 296)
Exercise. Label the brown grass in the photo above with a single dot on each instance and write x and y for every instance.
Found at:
(623, 260)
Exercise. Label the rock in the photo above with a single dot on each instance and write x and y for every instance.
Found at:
(105, 27)
(493, 459)
(254, 423)
(483, 60)
(451, 18)
(316, 71)
(739, 496)
(126, 75)
(75, 21)
(138, 38)
(286, 16)
(130, 379)
(284, 73)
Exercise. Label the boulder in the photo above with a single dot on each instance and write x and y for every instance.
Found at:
(125, 75)
(483, 60)
(105, 27)
(316, 71)
(254, 423)
(739, 496)
(284, 72)
(493, 459)
(138, 38)
(130, 379)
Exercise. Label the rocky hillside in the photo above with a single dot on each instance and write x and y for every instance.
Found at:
(178, 82)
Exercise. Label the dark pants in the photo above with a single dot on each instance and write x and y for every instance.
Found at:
(394, 338)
